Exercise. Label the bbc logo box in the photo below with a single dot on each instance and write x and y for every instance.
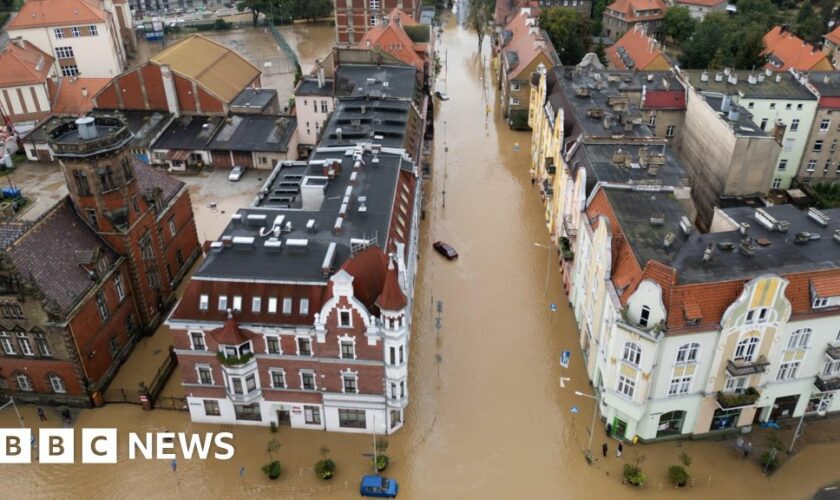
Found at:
(58, 446)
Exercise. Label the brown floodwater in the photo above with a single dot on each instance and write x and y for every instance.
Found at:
(488, 417)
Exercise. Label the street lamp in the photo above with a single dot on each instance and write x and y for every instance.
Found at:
(592, 428)
(547, 263)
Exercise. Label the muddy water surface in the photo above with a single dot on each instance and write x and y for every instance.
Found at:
(488, 417)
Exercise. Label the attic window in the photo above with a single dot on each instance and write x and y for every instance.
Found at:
(693, 314)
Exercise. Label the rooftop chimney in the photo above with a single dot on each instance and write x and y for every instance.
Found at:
(321, 79)
(84, 92)
(86, 127)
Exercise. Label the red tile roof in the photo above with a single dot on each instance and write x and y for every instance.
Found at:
(393, 39)
(664, 99)
(834, 36)
(793, 52)
(506, 9)
(38, 13)
(630, 7)
(524, 43)
(74, 96)
(368, 269)
(22, 63)
(826, 286)
(230, 333)
(640, 47)
(391, 298)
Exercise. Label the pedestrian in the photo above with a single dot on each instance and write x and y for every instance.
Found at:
(604, 449)
(173, 465)
(619, 450)
(41, 414)
(747, 449)
(609, 430)
(65, 416)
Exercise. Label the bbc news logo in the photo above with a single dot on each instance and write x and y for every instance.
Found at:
(100, 446)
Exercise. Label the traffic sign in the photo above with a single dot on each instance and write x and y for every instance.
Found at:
(564, 358)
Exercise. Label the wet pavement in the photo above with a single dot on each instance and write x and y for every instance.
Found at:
(41, 183)
(489, 416)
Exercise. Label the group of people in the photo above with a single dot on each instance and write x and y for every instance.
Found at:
(605, 449)
(65, 416)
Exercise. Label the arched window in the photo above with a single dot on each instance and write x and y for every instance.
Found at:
(688, 353)
(57, 384)
(632, 353)
(23, 382)
(644, 317)
(800, 339)
(746, 349)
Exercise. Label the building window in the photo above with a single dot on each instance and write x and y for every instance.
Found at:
(626, 386)
(800, 339)
(211, 408)
(764, 124)
(824, 125)
(237, 303)
(75, 31)
(756, 315)
(43, 345)
(153, 278)
(304, 346)
(303, 308)
(324, 107)
(25, 344)
(272, 345)
(812, 165)
(172, 228)
(644, 317)
(402, 355)
(818, 144)
(514, 87)
(58, 33)
(679, 386)
(248, 412)
(777, 183)
(344, 319)
(393, 355)
(146, 250)
(669, 132)
(82, 185)
(351, 418)
(119, 287)
(787, 371)
(256, 304)
(223, 304)
(6, 342)
(373, 20)
(91, 217)
(788, 106)
(64, 52)
(745, 350)
(197, 339)
(312, 415)
(349, 381)
(735, 384)
(307, 381)
(57, 384)
(24, 382)
(772, 105)
(820, 302)
(794, 125)
(102, 305)
(70, 70)
(750, 105)
(278, 379)
(203, 302)
(272, 305)
(374, 4)
(632, 353)
(348, 350)
(783, 165)
(93, 31)
(287, 305)
(514, 101)
(688, 353)
(831, 367)
(205, 375)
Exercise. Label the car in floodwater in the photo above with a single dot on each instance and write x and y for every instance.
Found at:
(446, 250)
(442, 95)
(378, 486)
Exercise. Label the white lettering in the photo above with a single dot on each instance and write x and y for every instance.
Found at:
(15, 446)
(56, 446)
(99, 446)
(195, 443)
(219, 440)
(145, 447)
(165, 441)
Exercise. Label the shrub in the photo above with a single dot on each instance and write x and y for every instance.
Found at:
(382, 462)
(770, 460)
(325, 468)
(633, 475)
(678, 475)
(272, 470)
(273, 426)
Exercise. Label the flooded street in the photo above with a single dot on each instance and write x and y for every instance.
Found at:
(488, 418)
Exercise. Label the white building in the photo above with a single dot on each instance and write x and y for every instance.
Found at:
(690, 334)
(699, 8)
(86, 39)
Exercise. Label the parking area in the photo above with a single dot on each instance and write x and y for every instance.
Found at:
(215, 198)
(41, 183)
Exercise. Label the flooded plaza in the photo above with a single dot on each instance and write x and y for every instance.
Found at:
(491, 413)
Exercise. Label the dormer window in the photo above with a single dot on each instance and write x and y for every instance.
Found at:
(203, 302)
(644, 317)
(233, 351)
(344, 319)
(759, 315)
(820, 302)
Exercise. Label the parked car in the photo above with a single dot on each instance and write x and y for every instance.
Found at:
(378, 486)
(236, 173)
(446, 250)
(442, 95)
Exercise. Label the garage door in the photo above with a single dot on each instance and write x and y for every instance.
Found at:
(244, 159)
(221, 159)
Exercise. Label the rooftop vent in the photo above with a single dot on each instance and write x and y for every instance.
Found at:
(582, 91)
(297, 243)
(216, 245)
(272, 245)
(657, 219)
(362, 206)
(86, 127)
(685, 225)
(708, 253)
(337, 227)
(704, 76)
(621, 158)
(243, 242)
(310, 226)
(837, 236)
(778, 77)
(596, 113)
(669, 241)
(769, 222)
(727, 246)
(752, 80)
(718, 77)
(329, 258)
(255, 219)
(744, 229)
(746, 247)
(818, 217)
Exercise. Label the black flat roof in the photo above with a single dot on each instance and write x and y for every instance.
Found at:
(254, 98)
(189, 133)
(598, 160)
(270, 133)
(309, 86)
(357, 80)
(384, 122)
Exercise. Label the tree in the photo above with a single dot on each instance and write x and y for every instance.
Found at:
(598, 8)
(701, 49)
(256, 7)
(762, 12)
(481, 13)
(569, 32)
(309, 9)
(750, 45)
(678, 24)
(808, 24)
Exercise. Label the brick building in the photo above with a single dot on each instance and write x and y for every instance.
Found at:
(80, 284)
(622, 16)
(353, 18)
(300, 313)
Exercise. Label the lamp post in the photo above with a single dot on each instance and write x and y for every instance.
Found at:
(547, 263)
(592, 428)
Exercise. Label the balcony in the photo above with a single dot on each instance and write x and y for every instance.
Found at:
(566, 249)
(550, 167)
(569, 226)
(548, 189)
(245, 398)
(235, 361)
(730, 400)
(833, 351)
(740, 368)
(827, 384)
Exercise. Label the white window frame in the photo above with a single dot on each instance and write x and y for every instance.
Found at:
(820, 302)
(256, 303)
(794, 125)
(173, 229)
(190, 334)
(203, 302)
(515, 87)
(27, 386)
(625, 386)
(58, 33)
(272, 305)
(6, 342)
(287, 305)
(223, 302)
(644, 317)
(25, 344)
(272, 372)
(301, 373)
(735, 384)
(782, 165)
(748, 348)
(669, 131)
(237, 303)
(57, 384)
(297, 345)
(64, 53)
(93, 30)
(632, 354)
(339, 321)
(825, 124)
(350, 375)
(279, 345)
(75, 31)
(303, 307)
(680, 386)
(349, 340)
(787, 371)
(800, 339)
(119, 287)
(198, 370)
(689, 353)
